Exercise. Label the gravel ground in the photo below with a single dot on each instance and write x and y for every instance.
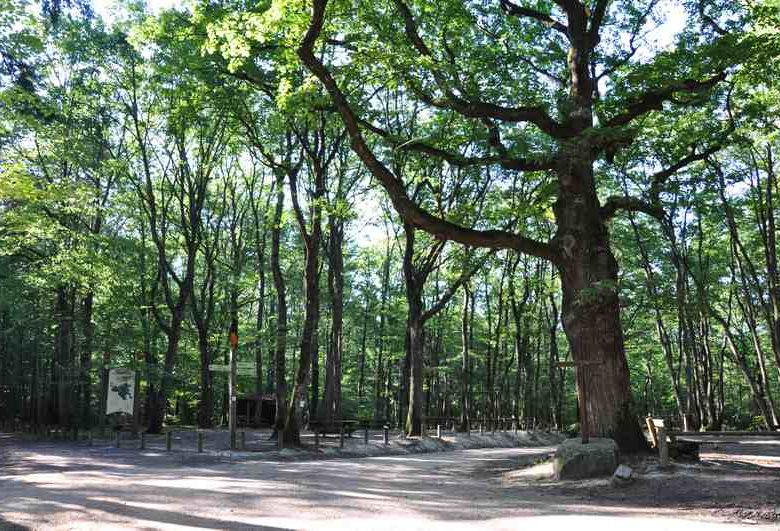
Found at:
(70, 486)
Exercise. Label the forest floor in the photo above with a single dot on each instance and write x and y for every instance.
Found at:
(66, 485)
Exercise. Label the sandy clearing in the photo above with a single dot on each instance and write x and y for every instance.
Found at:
(52, 487)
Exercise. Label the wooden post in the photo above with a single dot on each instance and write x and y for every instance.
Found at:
(663, 447)
(200, 442)
(168, 440)
(650, 423)
(387, 434)
(341, 437)
(142, 443)
(365, 435)
(242, 440)
(91, 438)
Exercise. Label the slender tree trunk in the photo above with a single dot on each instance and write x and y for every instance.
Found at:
(64, 351)
(381, 398)
(259, 329)
(159, 403)
(280, 347)
(414, 339)
(309, 341)
(770, 252)
(465, 368)
(520, 341)
(331, 403)
(314, 383)
(554, 376)
(86, 360)
(260, 238)
(206, 402)
(361, 390)
(660, 326)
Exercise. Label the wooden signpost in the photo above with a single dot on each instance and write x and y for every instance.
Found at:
(580, 375)
(233, 368)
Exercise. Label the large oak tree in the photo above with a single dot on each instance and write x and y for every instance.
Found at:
(560, 87)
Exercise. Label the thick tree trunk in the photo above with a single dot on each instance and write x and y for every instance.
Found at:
(590, 305)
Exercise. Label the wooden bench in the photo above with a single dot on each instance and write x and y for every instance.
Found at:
(678, 448)
(335, 427)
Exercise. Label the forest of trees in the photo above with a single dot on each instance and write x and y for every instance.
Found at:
(405, 210)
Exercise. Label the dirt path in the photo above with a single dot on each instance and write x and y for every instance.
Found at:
(48, 486)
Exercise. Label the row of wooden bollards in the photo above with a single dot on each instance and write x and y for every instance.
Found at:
(482, 431)
(201, 437)
(101, 433)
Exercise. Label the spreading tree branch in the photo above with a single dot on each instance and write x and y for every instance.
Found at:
(653, 100)
(408, 209)
(631, 204)
(472, 108)
(457, 159)
(515, 10)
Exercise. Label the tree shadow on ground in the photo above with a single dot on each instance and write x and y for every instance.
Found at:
(445, 487)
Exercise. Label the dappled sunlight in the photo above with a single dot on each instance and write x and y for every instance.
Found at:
(423, 491)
